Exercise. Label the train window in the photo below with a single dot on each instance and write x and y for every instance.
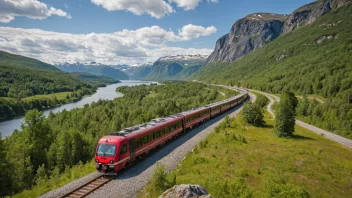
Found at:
(151, 137)
(123, 149)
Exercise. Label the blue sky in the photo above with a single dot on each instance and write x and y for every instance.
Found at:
(208, 20)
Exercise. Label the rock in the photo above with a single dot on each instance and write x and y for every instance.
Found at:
(186, 191)
(246, 35)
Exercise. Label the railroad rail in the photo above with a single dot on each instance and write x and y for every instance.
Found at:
(87, 188)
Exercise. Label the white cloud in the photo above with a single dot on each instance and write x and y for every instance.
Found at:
(190, 4)
(33, 9)
(126, 46)
(189, 32)
(155, 8)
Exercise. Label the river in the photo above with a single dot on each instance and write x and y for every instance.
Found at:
(105, 93)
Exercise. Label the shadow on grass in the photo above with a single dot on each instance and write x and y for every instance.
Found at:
(267, 126)
(300, 137)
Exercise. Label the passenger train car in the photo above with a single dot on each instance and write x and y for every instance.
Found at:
(116, 151)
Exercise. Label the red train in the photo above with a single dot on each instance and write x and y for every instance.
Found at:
(116, 151)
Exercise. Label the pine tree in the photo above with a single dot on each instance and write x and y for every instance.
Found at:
(285, 115)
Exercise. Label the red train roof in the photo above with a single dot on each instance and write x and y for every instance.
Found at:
(111, 139)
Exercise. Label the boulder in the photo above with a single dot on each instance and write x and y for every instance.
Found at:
(186, 191)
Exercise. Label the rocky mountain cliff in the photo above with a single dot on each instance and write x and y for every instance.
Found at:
(309, 13)
(256, 30)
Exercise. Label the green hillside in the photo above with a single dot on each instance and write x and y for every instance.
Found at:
(174, 69)
(22, 61)
(26, 84)
(98, 81)
(316, 59)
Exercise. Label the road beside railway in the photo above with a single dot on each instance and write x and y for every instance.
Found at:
(327, 134)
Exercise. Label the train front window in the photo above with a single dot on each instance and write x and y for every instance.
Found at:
(106, 150)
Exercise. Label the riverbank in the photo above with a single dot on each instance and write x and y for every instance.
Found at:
(104, 93)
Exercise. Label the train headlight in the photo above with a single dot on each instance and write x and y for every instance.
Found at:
(96, 160)
(111, 162)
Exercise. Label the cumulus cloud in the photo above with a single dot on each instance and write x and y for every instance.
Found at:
(155, 8)
(123, 47)
(189, 32)
(33, 9)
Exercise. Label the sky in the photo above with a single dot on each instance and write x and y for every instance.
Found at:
(122, 31)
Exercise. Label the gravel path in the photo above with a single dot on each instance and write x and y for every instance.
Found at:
(327, 134)
(132, 180)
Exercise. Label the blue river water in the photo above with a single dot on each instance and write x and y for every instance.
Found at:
(105, 93)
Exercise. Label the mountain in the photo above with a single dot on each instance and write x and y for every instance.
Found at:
(136, 72)
(176, 67)
(312, 59)
(256, 30)
(97, 81)
(94, 68)
(246, 35)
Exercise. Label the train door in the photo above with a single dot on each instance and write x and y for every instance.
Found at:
(132, 149)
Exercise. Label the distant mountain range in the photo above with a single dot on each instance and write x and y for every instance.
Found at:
(176, 67)
(135, 72)
(94, 68)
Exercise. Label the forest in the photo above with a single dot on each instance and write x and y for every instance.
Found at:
(47, 147)
(297, 62)
(21, 78)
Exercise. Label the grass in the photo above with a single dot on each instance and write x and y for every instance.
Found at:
(53, 183)
(307, 162)
(59, 96)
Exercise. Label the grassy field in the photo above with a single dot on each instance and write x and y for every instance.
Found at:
(59, 96)
(247, 161)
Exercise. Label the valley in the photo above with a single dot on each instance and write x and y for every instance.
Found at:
(176, 99)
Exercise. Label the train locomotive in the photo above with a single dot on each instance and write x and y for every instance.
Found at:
(119, 149)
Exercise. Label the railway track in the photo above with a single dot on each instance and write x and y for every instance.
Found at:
(87, 188)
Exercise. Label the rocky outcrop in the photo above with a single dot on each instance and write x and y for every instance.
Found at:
(186, 191)
(246, 35)
(307, 14)
(256, 30)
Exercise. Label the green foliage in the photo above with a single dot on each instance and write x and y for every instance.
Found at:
(159, 182)
(323, 69)
(22, 78)
(227, 188)
(65, 139)
(94, 80)
(261, 100)
(252, 114)
(279, 186)
(285, 115)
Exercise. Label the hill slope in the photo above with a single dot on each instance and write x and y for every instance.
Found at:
(100, 70)
(22, 77)
(175, 67)
(315, 59)
(97, 81)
